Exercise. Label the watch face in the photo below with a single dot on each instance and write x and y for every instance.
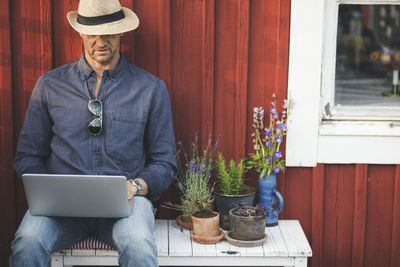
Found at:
(139, 185)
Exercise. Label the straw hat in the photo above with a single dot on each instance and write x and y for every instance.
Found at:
(100, 17)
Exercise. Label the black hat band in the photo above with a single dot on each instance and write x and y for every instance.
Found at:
(101, 19)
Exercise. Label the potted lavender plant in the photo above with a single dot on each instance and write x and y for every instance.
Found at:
(193, 180)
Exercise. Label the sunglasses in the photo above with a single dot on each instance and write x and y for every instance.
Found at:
(96, 125)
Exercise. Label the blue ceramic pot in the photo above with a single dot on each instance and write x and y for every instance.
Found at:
(269, 197)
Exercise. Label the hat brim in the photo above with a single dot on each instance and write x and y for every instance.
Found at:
(129, 23)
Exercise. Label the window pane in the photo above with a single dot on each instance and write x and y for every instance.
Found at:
(368, 55)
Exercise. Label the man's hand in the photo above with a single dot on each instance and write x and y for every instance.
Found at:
(132, 190)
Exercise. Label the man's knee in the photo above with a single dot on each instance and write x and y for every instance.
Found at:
(27, 242)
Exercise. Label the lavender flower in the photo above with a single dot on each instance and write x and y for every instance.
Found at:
(277, 155)
(282, 126)
(272, 110)
(268, 144)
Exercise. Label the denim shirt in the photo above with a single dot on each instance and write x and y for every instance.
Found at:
(137, 138)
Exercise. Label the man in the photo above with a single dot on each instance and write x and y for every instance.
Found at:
(97, 115)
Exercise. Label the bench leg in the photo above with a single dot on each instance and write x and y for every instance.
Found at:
(300, 262)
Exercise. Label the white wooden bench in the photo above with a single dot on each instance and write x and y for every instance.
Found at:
(286, 245)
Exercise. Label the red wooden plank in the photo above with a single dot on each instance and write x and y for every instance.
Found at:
(7, 191)
(186, 38)
(298, 197)
(164, 48)
(31, 56)
(242, 50)
(344, 214)
(146, 40)
(395, 250)
(67, 44)
(231, 56)
(379, 215)
(360, 211)
(317, 209)
(330, 218)
(46, 45)
(128, 40)
(207, 58)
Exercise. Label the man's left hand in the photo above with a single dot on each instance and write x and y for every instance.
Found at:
(132, 190)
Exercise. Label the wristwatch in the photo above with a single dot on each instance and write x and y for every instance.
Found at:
(138, 184)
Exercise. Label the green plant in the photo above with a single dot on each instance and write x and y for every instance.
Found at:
(267, 157)
(193, 177)
(231, 177)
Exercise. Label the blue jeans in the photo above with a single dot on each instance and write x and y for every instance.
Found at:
(37, 236)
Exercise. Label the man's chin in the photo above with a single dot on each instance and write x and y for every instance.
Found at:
(102, 59)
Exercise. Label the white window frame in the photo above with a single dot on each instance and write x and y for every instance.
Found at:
(317, 131)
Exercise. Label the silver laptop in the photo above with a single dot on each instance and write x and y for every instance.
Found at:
(101, 196)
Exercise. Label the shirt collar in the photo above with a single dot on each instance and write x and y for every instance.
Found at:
(114, 73)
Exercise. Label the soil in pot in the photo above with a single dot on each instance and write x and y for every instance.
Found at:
(247, 223)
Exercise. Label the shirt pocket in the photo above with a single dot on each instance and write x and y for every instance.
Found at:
(124, 136)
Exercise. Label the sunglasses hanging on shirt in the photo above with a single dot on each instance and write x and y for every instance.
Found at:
(96, 125)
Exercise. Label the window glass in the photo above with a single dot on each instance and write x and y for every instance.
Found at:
(368, 56)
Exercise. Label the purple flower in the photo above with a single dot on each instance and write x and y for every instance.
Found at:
(268, 144)
(272, 110)
(282, 126)
(279, 140)
(277, 155)
(201, 168)
(267, 159)
(180, 185)
(192, 167)
(268, 132)
(180, 143)
(277, 169)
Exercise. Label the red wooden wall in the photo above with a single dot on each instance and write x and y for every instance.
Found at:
(219, 58)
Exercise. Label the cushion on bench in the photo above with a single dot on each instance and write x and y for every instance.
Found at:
(91, 242)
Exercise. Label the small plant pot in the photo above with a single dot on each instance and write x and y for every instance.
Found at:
(247, 228)
(186, 221)
(225, 203)
(206, 229)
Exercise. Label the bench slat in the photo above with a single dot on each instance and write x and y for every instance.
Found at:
(161, 237)
(296, 240)
(275, 244)
(204, 249)
(180, 243)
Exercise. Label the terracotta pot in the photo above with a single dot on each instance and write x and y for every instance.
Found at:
(185, 221)
(206, 227)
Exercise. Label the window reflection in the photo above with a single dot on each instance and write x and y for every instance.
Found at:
(368, 55)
